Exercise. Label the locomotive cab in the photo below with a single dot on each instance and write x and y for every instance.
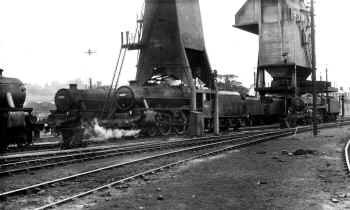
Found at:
(205, 102)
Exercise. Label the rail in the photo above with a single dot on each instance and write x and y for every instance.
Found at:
(286, 132)
(48, 183)
(347, 153)
(225, 142)
(74, 156)
(154, 170)
(105, 153)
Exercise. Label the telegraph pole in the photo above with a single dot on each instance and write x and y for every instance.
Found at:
(314, 96)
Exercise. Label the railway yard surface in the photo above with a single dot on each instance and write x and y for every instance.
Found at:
(271, 175)
(294, 172)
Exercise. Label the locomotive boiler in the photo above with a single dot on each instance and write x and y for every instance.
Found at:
(16, 123)
(154, 109)
(75, 107)
(84, 100)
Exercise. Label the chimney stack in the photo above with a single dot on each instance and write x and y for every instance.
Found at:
(73, 86)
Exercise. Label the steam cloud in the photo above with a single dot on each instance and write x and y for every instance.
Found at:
(95, 130)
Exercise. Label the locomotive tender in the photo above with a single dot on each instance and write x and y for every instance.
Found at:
(16, 123)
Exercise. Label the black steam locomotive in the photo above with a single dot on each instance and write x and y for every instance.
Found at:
(158, 109)
(161, 108)
(300, 109)
(72, 102)
(17, 124)
(75, 107)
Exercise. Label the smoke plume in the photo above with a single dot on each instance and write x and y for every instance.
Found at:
(97, 131)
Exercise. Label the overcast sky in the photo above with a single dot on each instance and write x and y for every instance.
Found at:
(45, 40)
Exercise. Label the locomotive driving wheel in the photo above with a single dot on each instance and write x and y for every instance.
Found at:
(164, 123)
(152, 130)
(180, 122)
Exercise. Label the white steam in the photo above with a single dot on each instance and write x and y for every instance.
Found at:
(97, 131)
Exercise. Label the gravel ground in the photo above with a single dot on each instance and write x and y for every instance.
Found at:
(59, 191)
(265, 176)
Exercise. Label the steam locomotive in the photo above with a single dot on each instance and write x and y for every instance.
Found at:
(161, 109)
(75, 107)
(17, 124)
(158, 109)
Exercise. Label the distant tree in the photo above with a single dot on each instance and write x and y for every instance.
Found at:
(80, 83)
(37, 93)
(229, 82)
(40, 107)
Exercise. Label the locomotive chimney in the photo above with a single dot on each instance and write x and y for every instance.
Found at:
(1, 72)
(73, 86)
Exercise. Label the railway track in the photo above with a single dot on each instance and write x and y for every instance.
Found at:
(347, 156)
(26, 163)
(52, 145)
(160, 168)
(47, 154)
(262, 127)
(15, 165)
(202, 149)
(221, 144)
(47, 146)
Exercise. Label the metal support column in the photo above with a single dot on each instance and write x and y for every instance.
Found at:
(314, 96)
(342, 107)
(255, 85)
(327, 93)
(216, 106)
(260, 78)
(295, 81)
